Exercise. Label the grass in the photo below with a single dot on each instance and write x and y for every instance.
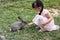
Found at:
(9, 12)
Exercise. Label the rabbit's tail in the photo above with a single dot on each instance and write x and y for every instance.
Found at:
(12, 30)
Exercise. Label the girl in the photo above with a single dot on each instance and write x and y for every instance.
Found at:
(43, 19)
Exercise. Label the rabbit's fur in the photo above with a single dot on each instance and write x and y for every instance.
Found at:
(18, 25)
(2, 37)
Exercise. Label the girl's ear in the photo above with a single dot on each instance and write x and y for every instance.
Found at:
(40, 8)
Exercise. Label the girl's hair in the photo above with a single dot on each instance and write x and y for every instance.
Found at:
(38, 3)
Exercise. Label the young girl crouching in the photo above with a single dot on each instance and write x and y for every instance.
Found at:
(43, 19)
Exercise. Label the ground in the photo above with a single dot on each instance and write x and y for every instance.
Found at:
(9, 11)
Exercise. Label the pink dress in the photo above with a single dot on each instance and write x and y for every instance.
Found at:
(39, 19)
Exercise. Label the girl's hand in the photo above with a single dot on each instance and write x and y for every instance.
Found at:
(30, 23)
(43, 24)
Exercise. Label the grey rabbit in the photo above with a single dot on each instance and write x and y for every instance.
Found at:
(18, 25)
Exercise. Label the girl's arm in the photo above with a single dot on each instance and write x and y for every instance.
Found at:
(49, 19)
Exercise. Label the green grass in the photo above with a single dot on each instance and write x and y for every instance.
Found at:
(9, 12)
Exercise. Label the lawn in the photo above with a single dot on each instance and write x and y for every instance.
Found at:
(9, 11)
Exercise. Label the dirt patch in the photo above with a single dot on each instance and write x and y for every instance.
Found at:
(54, 12)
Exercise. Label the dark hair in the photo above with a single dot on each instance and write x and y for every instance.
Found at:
(38, 3)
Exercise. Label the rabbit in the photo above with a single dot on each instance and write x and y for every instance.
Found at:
(18, 25)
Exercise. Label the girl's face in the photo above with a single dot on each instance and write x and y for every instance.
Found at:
(38, 9)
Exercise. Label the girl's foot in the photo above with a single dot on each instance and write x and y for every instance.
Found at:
(42, 30)
(38, 28)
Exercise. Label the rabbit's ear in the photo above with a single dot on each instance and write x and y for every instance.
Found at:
(37, 0)
(20, 18)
